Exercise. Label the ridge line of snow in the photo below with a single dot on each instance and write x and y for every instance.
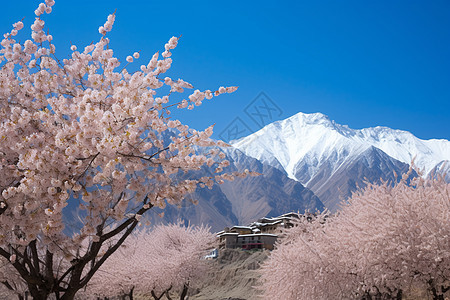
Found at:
(317, 138)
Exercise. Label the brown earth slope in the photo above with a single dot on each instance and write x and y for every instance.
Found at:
(233, 276)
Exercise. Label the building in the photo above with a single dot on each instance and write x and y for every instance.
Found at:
(257, 241)
(258, 235)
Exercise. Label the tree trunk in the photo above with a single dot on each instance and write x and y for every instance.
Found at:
(38, 294)
(184, 292)
(436, 296)
(399, 295)
(385, 296)
(69, 294)
(155, 296)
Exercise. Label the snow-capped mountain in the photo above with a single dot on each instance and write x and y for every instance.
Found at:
(320, 153)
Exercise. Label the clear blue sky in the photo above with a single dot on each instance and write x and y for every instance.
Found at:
(362, 63)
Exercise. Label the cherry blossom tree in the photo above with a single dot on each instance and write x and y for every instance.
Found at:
(84, 130)
(386, 240)
(156, 263)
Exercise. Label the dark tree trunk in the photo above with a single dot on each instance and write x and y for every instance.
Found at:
(437, 296)
(398, 295)
(434, 291)
(156, 297)
(184, 292)
(37, 293)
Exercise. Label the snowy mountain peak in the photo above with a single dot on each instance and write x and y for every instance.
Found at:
(316, 119)
(333, 160)
(312, 139)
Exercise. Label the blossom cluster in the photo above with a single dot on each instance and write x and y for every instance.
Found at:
(386, 240)
(167, 258)
(84, 130)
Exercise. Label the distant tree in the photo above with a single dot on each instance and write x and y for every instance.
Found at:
(156, 263)
(385, 240)
(85, 131)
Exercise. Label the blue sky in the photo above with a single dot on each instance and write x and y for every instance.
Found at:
(362, 63)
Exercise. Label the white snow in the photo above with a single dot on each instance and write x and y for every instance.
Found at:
(306, 140)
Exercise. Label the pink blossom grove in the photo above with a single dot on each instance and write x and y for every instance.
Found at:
(166, 260)
(84, 130)
(384, 242)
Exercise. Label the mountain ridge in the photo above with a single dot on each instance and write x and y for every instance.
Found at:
(427, 153)
(328, 157)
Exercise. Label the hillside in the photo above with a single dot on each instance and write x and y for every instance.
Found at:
(233, 276)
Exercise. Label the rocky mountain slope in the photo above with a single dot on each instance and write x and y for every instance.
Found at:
(333, 159)
(241, 201)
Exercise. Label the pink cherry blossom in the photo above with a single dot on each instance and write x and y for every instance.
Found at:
(84, 131)
(166, 259)
(386, 240)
